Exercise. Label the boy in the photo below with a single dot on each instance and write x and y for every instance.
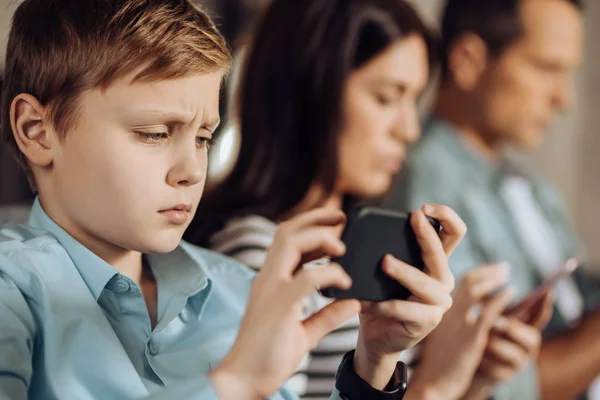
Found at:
(110, 106)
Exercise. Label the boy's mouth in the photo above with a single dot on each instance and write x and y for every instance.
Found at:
(178, 214)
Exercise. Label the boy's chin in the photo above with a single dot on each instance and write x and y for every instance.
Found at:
(160, 244)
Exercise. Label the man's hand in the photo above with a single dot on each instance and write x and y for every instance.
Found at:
(513, 345)
(451, 354)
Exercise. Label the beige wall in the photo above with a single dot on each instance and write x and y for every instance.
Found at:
(586, 203)
(7, 8)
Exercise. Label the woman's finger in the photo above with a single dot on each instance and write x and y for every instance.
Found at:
(453, 227)
(405, 311)
(434, 256)
(421, 285)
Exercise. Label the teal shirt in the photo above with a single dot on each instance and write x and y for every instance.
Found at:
(442, 169)
(73, 327)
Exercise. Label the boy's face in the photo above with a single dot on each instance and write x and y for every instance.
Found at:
(130, 173)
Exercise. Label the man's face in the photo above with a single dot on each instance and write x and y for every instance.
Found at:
(131, 172)
(532, 80)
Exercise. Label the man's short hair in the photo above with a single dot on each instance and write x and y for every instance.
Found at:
(61, 48)
(497, 22)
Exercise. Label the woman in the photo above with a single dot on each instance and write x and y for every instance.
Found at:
(327, 111)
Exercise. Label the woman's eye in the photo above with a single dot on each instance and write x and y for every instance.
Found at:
(384, 100)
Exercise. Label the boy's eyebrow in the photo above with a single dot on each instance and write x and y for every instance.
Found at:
(211, 122)
(165, 116)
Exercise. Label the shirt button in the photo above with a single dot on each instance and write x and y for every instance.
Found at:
(122, 286)
(153, 348)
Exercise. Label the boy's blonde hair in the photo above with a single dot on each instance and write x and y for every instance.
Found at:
(59, 48)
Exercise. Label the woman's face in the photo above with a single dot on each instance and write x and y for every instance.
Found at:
(379, 116)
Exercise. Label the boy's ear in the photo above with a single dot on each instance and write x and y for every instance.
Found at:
(31, 130)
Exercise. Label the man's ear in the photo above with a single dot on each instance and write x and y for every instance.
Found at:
(468, 60)
(31, 130)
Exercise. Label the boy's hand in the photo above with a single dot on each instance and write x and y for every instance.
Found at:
(387, 328)
(273, 339)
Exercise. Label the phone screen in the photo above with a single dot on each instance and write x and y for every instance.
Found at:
(517, 310)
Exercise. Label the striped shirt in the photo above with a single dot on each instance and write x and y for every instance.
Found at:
(247, 240)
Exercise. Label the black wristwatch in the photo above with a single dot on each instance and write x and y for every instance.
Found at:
(352, 387)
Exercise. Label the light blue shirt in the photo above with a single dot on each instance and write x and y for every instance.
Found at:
(442, 168)
(73, 327)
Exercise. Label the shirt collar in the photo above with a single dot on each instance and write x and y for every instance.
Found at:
(177, 270)
(95, 272)
(180, 277)
(478, 166)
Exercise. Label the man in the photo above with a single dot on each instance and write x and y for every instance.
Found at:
(507, 72)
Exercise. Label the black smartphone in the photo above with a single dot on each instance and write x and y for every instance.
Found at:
(369, 235)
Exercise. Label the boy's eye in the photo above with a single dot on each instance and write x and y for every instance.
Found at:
(152, 137)
(205, 142)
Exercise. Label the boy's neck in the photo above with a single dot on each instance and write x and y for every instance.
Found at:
(127, 262)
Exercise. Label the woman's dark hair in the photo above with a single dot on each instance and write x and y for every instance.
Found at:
(290, 102)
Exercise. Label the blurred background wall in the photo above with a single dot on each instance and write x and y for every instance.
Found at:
(569, 157)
